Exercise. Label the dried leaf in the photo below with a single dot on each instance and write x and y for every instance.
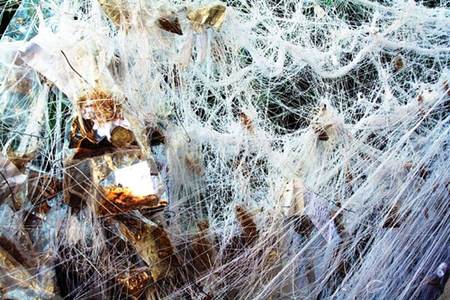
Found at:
(42, 187)
(19, 82)
(446, 88)
(398, 63)
(303, 225)
(11, 173)
(322, 123)
(116, 10)
(246, 122)
(100, 106)
(203, 252)
(81, 133)
(339, 222)
(185, 54)
(211, 15)
(393, 219)
(16, 250)
(153, 245)
(20, 161)
(170, 23)
(436, 285)
(321, 134)
(248, 225)
(156, 136)
(122, 137)
(16, 276)
(119, 199)
(193, 164)
(135, 282)
(10, 179)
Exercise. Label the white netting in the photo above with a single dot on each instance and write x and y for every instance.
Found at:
(305, 151)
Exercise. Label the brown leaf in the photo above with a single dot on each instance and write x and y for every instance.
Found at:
(170, 24)
(246, 122)
(155, 136)
(249, 234)
(211, 15)
(153, 244)
(135, 282)
(20, 161)
(119, 199)
(17, 251)
(122, 137)
(10, 180)
(193, 164)
(42, 187)
(100, 105)
(81, 131)
(203, 253)
(116, 10)
(339, 222)
(398, 63)
(446, 88)
(393, 219)
(248, 226)
(16, 276)
(321, 134)
(303, 225)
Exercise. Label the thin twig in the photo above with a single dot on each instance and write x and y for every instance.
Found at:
(10, 190)
(73, 69)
